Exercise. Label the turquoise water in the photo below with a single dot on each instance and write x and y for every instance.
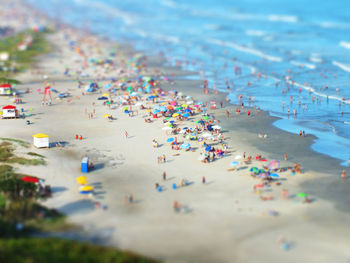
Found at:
(302, 49)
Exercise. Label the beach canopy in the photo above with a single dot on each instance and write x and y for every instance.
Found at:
(303, 195)
(41, 135)
(185, 145)
(30, 179)
(274, 175)
(170, 139)
(234, 164)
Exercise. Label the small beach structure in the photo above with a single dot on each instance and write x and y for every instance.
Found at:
(5, 89)
(9, 112)
(85, 165)
(41, 140)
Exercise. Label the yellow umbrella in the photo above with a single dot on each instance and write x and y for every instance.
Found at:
(184, 105)
(163, 103)
(86, 188)
(105, 94)
(175, 114)
(81, 180)
(106, 115)
(148, 110)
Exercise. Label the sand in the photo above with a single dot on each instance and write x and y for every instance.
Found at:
(224, 220)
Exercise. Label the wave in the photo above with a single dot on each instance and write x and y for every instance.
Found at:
(344, 44)
(128, 18)
(245, 49)
(336, 25)
(342, 66)
(302, 64)
(157, 36)
(283, 18)
(257, 33)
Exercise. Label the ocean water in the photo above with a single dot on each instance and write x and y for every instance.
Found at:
(294, 55)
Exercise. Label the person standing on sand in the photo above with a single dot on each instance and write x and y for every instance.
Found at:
(126, 134)
(227, 113)
(164, 176)
(343, 174)
(203, 180)
(285, 156)
(164, 158)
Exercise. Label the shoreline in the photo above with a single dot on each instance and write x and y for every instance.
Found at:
(226, 219)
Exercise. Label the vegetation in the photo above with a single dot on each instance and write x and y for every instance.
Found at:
(56, 250)
(36, 154)
(7, 155)
(20, 60)
(20, 142)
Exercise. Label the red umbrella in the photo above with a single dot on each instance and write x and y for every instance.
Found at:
(259, 186)
(30, 179)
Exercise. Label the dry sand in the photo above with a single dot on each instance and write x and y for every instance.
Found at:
(224, 220)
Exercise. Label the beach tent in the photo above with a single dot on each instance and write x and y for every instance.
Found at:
(41, 140)
(9, 111)
(5, 89)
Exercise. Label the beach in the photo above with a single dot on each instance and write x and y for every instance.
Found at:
(222, 220)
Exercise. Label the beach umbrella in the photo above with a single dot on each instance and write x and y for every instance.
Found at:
(200, 122)
(108, 86)
(216, 127)
(169, 107)
(156, 111)
(30, 179)
(175, 114)
(274, 164)
(302, 195)
(208, 148)
(170, 139)
(173, 103)
(259, 186)
(163, 108)
(274, 175)
(234, 164)
(86, 189)
(206, 118)
(200, 139)
(81, 180)
(188, 97)
(254, 169)
(106, 115)
(184, 105)
(186, 115)
(185, 145)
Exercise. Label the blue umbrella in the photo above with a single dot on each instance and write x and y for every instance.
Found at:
(234, 164)
(163, 109)
(108, 86)
(171, 122)
(156, 111)
(187, 110)
(208, 148)
(274, 175)
(186, 115)
(152, 97)
(126, 111)
(170, 139)
(185, 145)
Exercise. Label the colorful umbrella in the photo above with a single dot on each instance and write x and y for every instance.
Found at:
(274, 164)
(234, 164)
(170, 139)
(185, 145)
(30, 179)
